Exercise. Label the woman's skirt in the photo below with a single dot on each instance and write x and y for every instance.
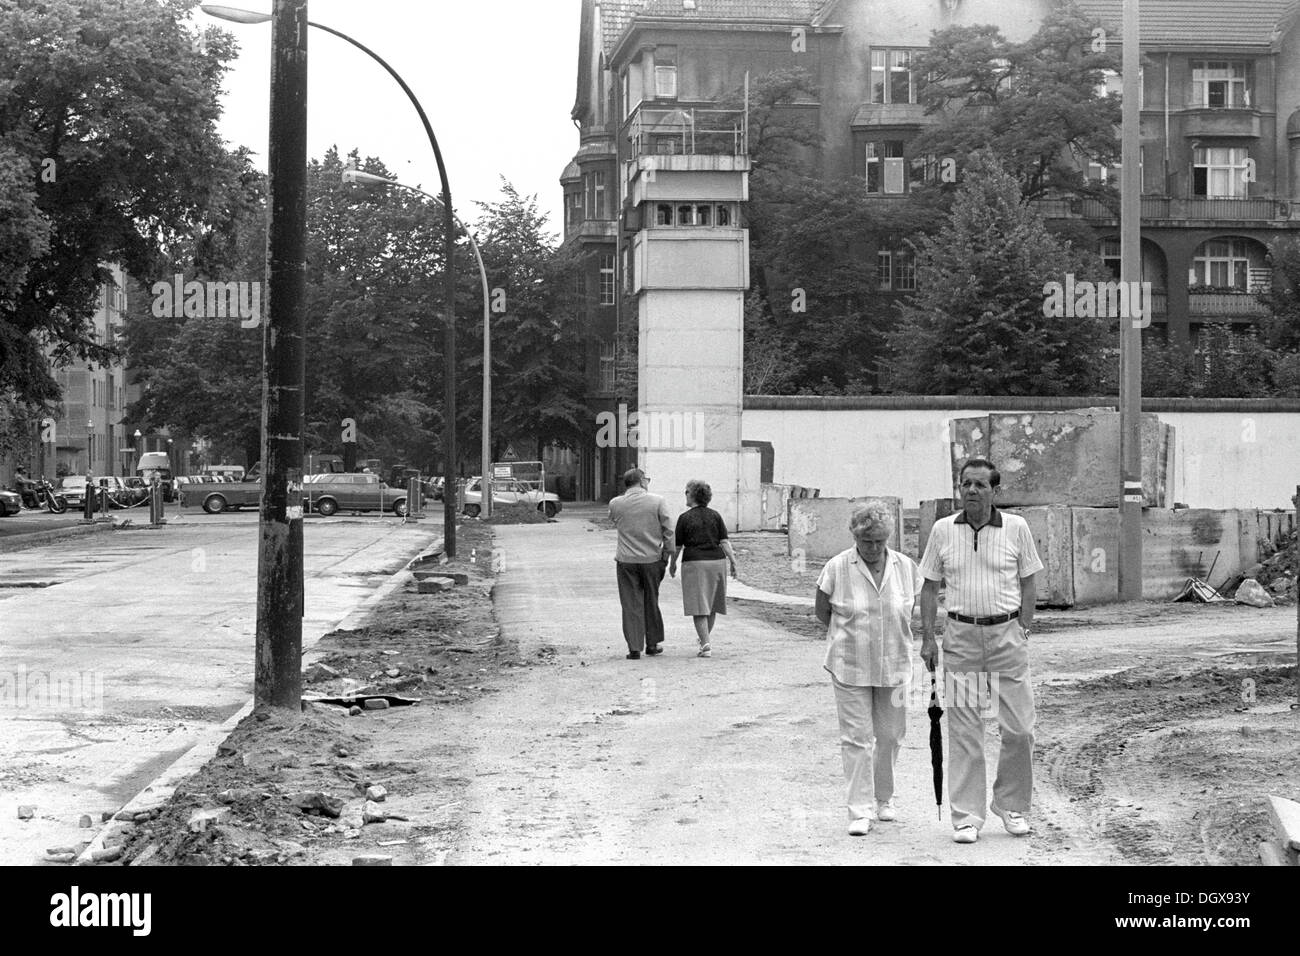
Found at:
(704, 587)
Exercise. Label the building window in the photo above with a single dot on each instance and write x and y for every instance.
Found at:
(1110, 255)
(573, 209)
(597, 206)
(606, 280)
(896, 270)
(1218, 172)
(892, 80)
(1219, 84)
(607, 366)
(1222, 264)
(694, 214)
(627, 93)
(1113, 82)
(1110, 175)
(885, 168)
(666, 82)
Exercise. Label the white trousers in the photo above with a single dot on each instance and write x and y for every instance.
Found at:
(873, 721)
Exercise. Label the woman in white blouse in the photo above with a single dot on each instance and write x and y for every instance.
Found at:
(865, 597)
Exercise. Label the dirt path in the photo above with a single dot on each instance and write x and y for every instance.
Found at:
(735, 759)
(671, 759)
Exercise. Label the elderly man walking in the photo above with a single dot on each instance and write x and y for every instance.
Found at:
(987, 562)
(645, 540)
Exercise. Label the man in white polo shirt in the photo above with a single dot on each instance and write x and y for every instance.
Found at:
(987, 562)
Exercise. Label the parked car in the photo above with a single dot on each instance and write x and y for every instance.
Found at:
(218, 496)
(509, 491)
(73, 490)
(11, 503)
(328, 494)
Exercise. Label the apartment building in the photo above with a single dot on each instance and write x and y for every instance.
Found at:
(88, 431)
(1220, 137)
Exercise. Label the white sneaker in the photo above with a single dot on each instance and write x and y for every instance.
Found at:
(966, 834)
(705, 651)
(1015, 823)
(860, 827)
(887, 811)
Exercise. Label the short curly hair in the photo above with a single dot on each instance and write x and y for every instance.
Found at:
(699, 492)
(869, 517)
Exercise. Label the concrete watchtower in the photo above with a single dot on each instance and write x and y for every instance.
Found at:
(687, 176)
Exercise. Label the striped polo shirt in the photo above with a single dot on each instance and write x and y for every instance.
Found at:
(981, 570)
(869, 639)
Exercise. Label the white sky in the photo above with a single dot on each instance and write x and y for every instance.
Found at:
(496, 78)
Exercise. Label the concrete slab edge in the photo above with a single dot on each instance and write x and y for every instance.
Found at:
(160, 790)
(21, 542)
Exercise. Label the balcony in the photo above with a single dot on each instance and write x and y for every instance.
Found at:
(1156, 209)
(1235, 123)
(687, 131)
(1224, 304)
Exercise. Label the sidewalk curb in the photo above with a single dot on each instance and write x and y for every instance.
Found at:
(162, 787)
(34, 539)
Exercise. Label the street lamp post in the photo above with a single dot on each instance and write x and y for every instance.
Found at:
(1130, 385)
(449, 279)
(370, 179)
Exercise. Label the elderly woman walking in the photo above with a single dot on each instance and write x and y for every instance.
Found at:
(702, 536)
(865, 597)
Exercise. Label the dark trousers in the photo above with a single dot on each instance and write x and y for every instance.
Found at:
(638, 592)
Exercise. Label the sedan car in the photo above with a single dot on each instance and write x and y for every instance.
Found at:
(509, 491)
(10, 503)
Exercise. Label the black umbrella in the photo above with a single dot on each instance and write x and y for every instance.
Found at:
(936, 743)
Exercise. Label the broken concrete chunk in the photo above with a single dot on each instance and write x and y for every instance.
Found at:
(354, 711)
(376, 793)
(373, 813)
(376, 703)
(315, 801)
(26, 812)
(65, 856)
(1285, 815)
(106, 855)
(393, 672)
(318, 672)
(1251, 592)
(146, 856)
(200, 820)
(372, 859)
(85, 822)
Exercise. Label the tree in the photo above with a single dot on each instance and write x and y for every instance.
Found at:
(108, 153)
(977, 323)
(1033, 104)
(537, 347)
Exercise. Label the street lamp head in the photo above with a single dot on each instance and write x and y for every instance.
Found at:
(351, 175)
(137, 433)
(234, 14)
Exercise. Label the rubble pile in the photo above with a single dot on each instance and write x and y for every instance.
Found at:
(1279, 571)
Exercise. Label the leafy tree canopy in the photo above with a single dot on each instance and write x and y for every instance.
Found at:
(977, 323)
(108, 153)
(1034, 104)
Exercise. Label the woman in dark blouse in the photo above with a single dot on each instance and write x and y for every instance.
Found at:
(702, 535)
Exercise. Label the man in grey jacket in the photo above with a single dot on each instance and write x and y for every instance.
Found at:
(645, 540)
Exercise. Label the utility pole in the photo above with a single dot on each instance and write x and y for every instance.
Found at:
(277, 676)
(1130, 385)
